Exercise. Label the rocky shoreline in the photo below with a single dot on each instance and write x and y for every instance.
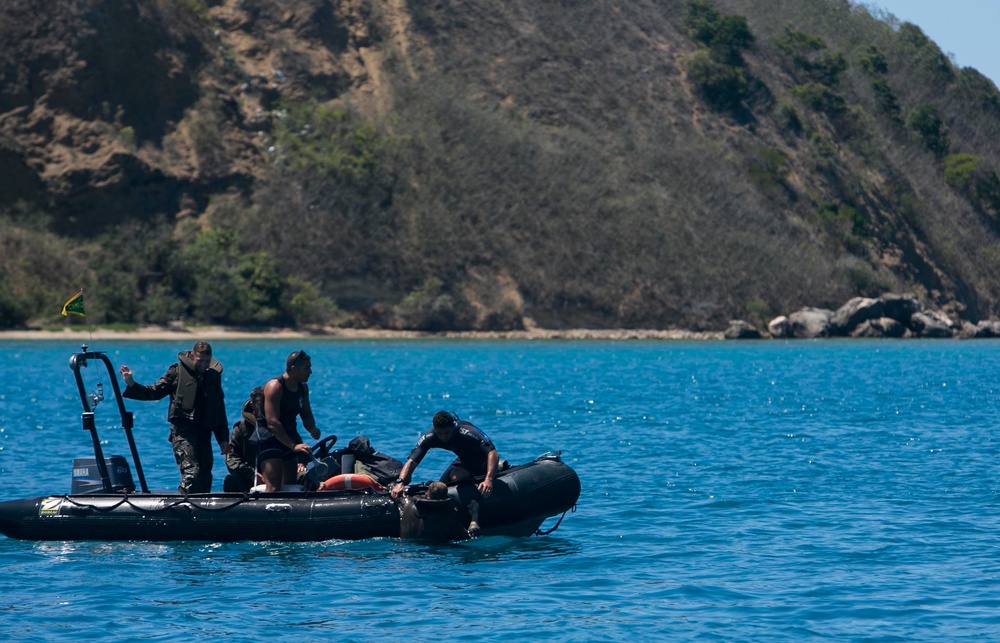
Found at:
(892, 315)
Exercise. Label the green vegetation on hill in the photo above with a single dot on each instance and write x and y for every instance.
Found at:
(655, 164)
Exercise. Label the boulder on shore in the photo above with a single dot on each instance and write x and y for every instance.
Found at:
(900, 307)
(980, 330)
(809, 322)
(881, 327)
(778, 327)
(739, 329)
(891, 315)
(931, 323)
(854, 313)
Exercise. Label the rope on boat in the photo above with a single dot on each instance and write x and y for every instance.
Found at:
(186, 500)
(180, 501)
(539, 532)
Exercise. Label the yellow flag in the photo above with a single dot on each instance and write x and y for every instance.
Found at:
(74, 305)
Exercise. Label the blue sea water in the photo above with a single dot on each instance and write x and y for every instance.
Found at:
(771, 491)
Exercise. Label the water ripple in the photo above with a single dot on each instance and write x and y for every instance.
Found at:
(773, 491)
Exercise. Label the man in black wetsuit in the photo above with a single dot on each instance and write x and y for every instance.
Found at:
(197, 411)
(285, 398)
(476, 454)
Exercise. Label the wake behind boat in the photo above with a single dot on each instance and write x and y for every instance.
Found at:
(523, 498)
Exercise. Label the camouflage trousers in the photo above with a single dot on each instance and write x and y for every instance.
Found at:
(193, 453)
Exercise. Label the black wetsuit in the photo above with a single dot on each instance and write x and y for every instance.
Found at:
(471, 445)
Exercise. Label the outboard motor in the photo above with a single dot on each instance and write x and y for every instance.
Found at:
(87, 476)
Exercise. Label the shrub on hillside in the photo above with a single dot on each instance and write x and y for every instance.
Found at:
(768, 169)
(206, 136)
(974, 178)
(718, 70)
(873, 62)
(313, 138)
(725, 36)
(810, 59)
(15, 309)
(978, 89)
(326, 205)
(231, 285)
(39, 270)
(927, 54)
(724, 86)
(886, 100)
(431, 307)
(787, 117)
(930, 128)
(136, 278)
(306, 304)
(845, 224)
(820, 98)
(161, 305)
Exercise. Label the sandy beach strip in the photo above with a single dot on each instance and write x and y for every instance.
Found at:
(171, 333)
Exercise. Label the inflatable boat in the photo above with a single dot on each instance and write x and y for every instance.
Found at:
(103, 504)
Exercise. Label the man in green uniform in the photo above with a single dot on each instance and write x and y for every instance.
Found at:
(242, 457)
(197, 411)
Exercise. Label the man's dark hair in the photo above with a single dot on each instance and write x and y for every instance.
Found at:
(255, 401)
(294, 358)
(202, 347)
(445, 420)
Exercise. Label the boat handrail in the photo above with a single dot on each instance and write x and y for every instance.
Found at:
(78, 361)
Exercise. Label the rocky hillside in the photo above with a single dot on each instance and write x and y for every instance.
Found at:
(119, 110)
(450, 165)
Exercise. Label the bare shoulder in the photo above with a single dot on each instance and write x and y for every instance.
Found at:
(272, 388)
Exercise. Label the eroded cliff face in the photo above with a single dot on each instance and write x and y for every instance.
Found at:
(112, 109)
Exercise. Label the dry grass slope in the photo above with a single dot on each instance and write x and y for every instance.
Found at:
(489, 166)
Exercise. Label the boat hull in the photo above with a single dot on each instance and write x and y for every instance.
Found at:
(522, 499)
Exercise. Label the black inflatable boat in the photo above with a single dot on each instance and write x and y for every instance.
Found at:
(523, 498)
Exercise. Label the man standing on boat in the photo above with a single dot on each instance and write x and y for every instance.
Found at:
(476, 454)
(197, 411)
(285, 398)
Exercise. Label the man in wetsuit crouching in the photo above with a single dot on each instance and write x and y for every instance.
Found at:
(476, 454)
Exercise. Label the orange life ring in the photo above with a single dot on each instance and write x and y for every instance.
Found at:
(350, 481)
